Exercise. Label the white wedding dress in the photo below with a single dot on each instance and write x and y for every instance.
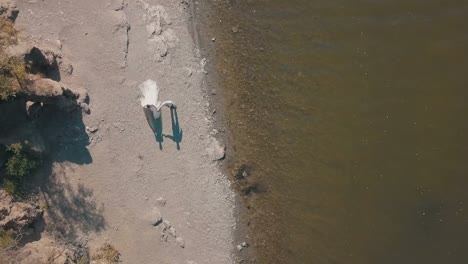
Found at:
(150, 98)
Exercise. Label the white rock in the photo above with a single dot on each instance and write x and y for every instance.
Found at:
(91, 129)
(172, 231)
(180, 242)
(244, 244)
(161, 202)
(239, 247)
(216, 150)
(156, 217)
(166, 224)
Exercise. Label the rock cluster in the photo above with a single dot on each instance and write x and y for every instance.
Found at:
(8, 10)
(47, 250)
(160, 38)
(46, 60)
(167, 229)
(16, 216)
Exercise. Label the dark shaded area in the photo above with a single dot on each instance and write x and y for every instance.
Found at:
(255, 188)
(59, 138)
(71, 210)
(12, 115)
(177, 132)
(43, 63)
(65, 134)
(243, 172)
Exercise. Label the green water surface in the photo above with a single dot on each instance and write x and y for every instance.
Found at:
(352, 119)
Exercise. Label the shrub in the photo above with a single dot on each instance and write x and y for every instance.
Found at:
(7, 240)
(13, 76)
(10, 187)
(13, 72)
(8, 33)
(83, 260)
(20, 163)
(107, 254)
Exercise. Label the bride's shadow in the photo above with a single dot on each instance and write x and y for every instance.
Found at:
(157, 127)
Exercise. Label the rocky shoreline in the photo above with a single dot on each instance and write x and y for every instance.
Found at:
(108, 185)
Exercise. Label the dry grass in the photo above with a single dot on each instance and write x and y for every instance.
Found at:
(7, 240)
(106, 254)
(83, 260)
(13, 75)
(7, 243)
(8, 34)
(13, 71)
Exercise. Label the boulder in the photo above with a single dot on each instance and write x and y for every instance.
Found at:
(46, 250)
(156, 217)
(161, 202)
(180, 241)
(8, 10)
(48, 91)
(16, 215)
(215, 150)
(33, 109)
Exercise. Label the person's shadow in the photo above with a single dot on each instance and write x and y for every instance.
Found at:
(177, 132)
(156, 125)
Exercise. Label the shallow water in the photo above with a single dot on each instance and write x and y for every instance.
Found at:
(351, 118)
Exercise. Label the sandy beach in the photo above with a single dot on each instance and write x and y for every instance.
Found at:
(127, 175)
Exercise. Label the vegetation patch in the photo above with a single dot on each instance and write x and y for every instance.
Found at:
(106, 254)
(20, 164)
(8, 33)
(7, 244)
(13, 71)
(7, 240)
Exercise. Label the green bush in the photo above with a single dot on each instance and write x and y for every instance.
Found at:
(13, 76)
(10, 187)
(7, 240)
(13, 71)
(20, 164)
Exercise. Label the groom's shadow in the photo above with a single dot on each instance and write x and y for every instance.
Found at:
(177, 132)
(156, 125)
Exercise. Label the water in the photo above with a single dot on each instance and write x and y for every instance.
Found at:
(350, 117)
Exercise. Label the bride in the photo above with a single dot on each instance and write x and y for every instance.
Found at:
(150, 98)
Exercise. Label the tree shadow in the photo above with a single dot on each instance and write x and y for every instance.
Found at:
(177, 132)
(70, 209)
(59, 138)
(65, 134)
